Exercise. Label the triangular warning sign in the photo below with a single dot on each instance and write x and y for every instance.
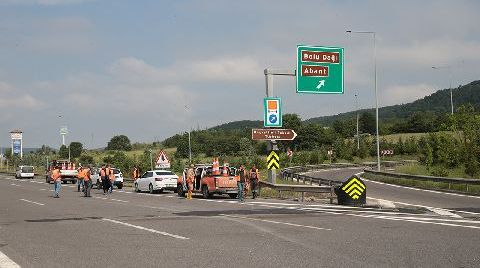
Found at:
(162, 160)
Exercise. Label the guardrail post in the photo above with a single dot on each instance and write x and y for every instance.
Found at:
(303, 195)
(332, 191)
(466, 186)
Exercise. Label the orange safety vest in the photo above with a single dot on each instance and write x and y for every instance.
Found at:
(80, 174)
(86, 174)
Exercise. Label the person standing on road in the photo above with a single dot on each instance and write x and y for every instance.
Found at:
(135, 173)
(105, 180)
(254, 176)
(111, 177)
(241, 183)
(190, 181)
(87, 178)
(80, 179)
(57, 181)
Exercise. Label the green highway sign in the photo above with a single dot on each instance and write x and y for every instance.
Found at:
(319, 69)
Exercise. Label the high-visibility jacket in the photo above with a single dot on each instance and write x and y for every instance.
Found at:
(86, 174)
(254, 174)
(81, 174)
(102, 173)
(56, 175)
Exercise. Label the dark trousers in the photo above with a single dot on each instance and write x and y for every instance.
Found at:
(253, 186)
(88, 186)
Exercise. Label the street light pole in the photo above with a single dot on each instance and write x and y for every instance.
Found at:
(356, 107)
(450, 78)
(189, 147)
(376, 90)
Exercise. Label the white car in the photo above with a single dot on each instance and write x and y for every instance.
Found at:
(24, 172)
(156, 181)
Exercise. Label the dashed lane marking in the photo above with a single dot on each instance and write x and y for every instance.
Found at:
(6, 262)
(146, 229)
(32, 202)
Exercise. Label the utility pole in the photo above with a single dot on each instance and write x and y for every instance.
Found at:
(356, 107)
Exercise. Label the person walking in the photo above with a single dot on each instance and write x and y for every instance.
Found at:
(254, 176)
(57, 181)
(80, 179)
(241, 183)
(135, 173)
(105, 180)
(87, 179)
(190, 181)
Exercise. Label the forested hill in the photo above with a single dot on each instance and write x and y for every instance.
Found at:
(239, 125)
(438, 102)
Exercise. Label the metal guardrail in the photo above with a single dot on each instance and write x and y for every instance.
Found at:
(299, 188)
(294, 173)
(450, 181)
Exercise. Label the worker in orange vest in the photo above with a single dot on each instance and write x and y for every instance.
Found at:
(105, 180)
(216, 167)
(254, 177)
(190, 180)
(111, 177)
(80, 179)
(87, 178)
(57, 181)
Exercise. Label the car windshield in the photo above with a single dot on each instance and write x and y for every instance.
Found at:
(27, 169)
(164, 173)
(116, 171)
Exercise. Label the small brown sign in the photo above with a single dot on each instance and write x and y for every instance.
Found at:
(273, 134)
(320, 56)
(314, 70)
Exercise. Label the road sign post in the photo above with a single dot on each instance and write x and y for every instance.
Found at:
(319, 69)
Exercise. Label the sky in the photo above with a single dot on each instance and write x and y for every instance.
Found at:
(151, 69)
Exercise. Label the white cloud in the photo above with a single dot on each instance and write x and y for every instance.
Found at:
(397, 94)
(11, 99)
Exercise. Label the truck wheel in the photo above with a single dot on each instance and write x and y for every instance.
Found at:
(120, 186)
(180, 190)
(150, 189)
(98, 185)
(233, 196)
(206, 194)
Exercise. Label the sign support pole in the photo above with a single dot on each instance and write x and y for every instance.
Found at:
(272, 145)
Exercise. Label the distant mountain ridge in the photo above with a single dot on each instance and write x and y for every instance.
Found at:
(438, 102)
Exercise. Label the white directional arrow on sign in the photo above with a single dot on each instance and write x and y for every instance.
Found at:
(321, 83)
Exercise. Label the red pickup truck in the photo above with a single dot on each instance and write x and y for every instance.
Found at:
(208, 184)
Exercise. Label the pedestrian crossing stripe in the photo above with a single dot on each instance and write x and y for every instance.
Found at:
(354, 188)
(273, 161)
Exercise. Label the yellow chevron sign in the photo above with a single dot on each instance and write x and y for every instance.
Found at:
(273, 161)
(354, 188)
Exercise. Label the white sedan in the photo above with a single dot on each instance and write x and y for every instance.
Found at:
(156, 181)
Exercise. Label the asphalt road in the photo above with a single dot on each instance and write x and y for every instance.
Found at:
(128, 229)
(407, 196)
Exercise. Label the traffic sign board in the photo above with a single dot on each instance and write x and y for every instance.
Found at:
(319, 69)
(273, 161)
(272, 112)
(273, 134)
(162, 160)
(352, 192)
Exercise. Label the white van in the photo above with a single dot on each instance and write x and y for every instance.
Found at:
(24, 172)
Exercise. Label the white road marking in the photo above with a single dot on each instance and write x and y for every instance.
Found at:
(423, 190)
(13, 184)
(33, 202)
(118, 200)
(6, 262)
(440, 211)
(147, 229)
(277, 222)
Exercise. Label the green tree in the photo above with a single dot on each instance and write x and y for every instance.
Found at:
(86, 160)
(76, 149)
(63, 152)
(367, 123)
(119, 142)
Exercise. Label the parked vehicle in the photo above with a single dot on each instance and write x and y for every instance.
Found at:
(68, 171)
(156, 181)
(118, 178)
(24, 172)
(208, 184)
